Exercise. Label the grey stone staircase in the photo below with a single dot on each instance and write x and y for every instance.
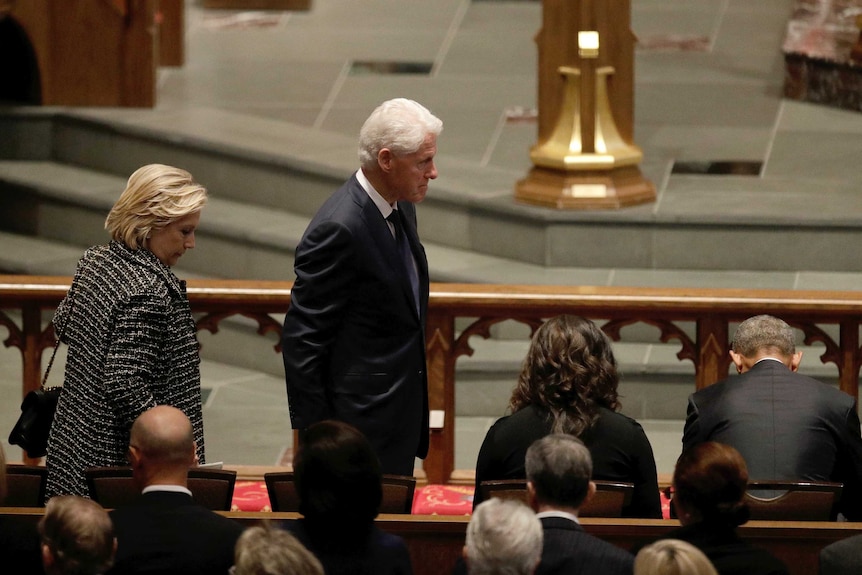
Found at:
(62, 175)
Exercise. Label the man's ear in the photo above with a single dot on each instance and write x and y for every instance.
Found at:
(737, 360)
(532, 501)
(591, 490)
(47, 557)
(795, 360)
(384, 159)
(134, 456)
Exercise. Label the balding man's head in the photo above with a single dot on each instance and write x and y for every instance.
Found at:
(161, 442)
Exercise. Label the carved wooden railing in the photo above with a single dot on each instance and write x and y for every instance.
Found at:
(815, 313)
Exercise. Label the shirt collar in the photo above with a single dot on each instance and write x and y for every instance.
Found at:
(171, 488)
(559, 514)
(382, 204)
(768, 359)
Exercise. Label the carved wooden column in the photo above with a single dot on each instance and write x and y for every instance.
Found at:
(851, 358)
(585, 157)
(440, 337)
(713, 360)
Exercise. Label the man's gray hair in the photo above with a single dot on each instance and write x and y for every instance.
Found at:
(764, 333)
(400, 125)
(559, 466)
(504, 537)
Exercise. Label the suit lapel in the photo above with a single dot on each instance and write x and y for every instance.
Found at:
(382, 237)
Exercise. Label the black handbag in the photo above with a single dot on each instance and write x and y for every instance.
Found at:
(37, 413)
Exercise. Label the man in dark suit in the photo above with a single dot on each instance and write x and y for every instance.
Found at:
(559, 468)
(786, 425)
(165, 531)
(354, 336)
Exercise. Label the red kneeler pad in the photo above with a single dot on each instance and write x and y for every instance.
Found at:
(250, 496)
(443, 500)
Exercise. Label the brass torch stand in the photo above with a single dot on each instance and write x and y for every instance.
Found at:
(585, 163)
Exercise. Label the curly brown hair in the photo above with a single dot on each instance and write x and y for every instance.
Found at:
(570, 371)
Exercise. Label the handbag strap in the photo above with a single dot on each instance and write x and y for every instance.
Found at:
(62, 332)
(51, 362)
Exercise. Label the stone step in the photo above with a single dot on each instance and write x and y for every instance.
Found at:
(293, 168)
(68, 204)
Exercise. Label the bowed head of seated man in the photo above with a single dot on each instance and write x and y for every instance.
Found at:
(559, 468)
(77, 537)
(164, 530)
(504, 537)
(787, 426)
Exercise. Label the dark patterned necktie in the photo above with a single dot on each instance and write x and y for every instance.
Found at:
(403, 246)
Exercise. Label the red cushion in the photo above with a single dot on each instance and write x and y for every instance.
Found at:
(443, 500)
(250, 496)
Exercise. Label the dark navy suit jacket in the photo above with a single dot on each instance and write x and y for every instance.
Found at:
(168, 533)
(786, 426)
(353, 340)
(569, 550)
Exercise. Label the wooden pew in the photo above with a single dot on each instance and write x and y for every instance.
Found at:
(435, 541)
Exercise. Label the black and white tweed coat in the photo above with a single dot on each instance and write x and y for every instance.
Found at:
(132, 345)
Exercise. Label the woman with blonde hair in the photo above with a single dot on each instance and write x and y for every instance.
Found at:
(672, 557)
(131, 336)
(265, 550)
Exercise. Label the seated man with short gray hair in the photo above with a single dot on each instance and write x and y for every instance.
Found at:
(559, 468)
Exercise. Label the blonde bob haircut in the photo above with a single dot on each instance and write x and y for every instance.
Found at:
(672, 557)
(155, 196)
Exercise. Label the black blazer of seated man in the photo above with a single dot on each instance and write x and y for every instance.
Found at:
(787, 426)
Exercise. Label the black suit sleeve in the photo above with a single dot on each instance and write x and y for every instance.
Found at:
(691, 433)
(321, 293)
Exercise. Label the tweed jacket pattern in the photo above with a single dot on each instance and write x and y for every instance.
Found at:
(132, 345)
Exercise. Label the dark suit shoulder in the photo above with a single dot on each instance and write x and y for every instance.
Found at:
(567, 548)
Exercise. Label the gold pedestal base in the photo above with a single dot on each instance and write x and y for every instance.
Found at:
(585, 190)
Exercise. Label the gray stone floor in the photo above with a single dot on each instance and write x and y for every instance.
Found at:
(708, 88)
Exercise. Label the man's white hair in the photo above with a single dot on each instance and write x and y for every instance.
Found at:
(504, 537)
(398, 124)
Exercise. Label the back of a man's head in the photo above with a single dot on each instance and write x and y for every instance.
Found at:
(77, 537)
(504, 537)
(161, 446)
(764, 333)
(559, 467)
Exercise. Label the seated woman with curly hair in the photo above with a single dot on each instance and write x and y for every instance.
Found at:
(568, 384)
